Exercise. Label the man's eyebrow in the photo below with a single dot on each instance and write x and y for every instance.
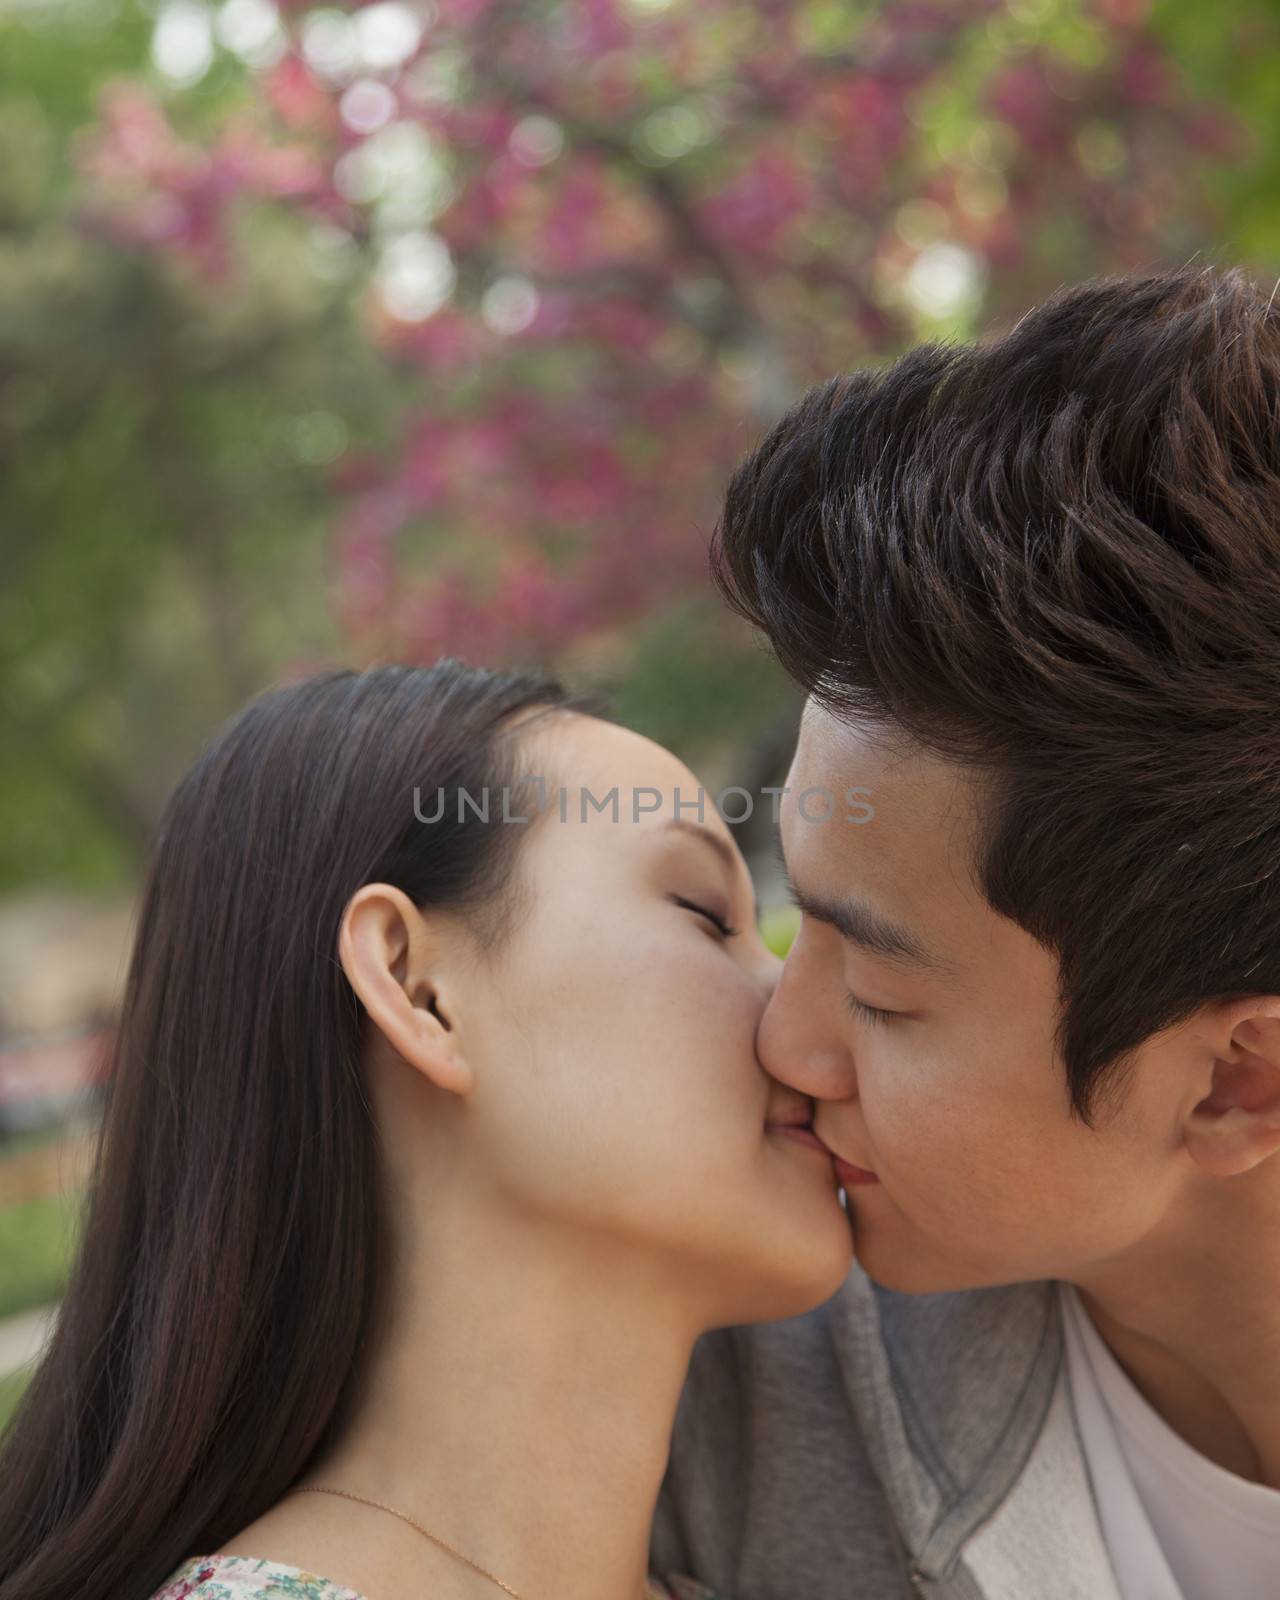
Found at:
(872, 930)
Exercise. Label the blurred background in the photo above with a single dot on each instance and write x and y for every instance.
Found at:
(332, 335)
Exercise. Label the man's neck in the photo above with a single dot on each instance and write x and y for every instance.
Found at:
(1192, 1314)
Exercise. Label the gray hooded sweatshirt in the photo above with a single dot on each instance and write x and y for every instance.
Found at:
(885, 1446)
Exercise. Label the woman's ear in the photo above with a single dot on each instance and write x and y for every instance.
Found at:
(1237, 1124)
(392, 958)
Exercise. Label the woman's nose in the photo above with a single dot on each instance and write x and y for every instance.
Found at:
(770, 971)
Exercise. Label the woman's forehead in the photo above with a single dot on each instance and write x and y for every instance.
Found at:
(588, 752)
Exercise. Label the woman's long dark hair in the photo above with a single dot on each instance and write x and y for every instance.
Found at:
(231, 1260)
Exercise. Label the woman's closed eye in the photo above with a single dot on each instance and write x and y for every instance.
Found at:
(717, 922)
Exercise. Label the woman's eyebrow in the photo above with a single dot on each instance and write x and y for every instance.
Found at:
(728, 855)
(698, 830)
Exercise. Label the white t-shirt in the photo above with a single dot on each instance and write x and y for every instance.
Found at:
(1177, 1525)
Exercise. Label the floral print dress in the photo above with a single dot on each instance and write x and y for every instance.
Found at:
(246, 1578)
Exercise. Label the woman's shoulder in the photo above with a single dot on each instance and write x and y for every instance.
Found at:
(247, 1578)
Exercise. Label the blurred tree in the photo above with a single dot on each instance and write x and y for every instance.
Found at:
(619, 237)
(165, 519)
(464, 309)
(1227, 55)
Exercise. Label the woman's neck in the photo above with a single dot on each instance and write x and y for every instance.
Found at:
(519, 1404)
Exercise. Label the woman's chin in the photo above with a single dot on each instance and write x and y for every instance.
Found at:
(829, 1262)
(809, 1257)
(799, 1295)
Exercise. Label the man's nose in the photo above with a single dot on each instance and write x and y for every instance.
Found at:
(797, 1044)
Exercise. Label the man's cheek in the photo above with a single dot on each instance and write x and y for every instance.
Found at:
(930, 1149)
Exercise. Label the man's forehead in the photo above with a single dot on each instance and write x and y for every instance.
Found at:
(847, 735)
(847, 750)
(916, 846)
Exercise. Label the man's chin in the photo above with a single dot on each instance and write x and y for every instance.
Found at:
(900, 1277)
(895, 1265)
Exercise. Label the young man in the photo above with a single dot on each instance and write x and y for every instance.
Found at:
(1033, 590)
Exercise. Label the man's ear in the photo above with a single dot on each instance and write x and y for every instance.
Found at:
(391, 956)
(1237, 1124)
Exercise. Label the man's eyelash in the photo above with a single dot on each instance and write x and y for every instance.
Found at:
(718, 923)
(869, 1014)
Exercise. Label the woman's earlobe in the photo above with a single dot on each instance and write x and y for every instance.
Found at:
(434, 1050)
(387, 954)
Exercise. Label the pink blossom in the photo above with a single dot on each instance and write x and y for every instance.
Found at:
(294, 94)
(562, 480)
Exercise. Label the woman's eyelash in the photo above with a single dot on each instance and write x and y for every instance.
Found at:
(718, 923)
(866, 1013)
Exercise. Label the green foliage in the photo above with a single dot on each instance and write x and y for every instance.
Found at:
(53, 59)
(38, 1241)
(11, 1389)
(779, 927)
(165, 507)
(1229, 53)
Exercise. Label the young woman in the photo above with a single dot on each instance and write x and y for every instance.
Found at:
(432, 1144)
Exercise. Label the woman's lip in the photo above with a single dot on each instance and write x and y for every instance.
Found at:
(849, 1175)
(802, 1133)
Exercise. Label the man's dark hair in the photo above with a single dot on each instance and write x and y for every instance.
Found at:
(1054, 557)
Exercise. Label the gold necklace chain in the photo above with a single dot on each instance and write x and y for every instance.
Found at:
(651, 1592)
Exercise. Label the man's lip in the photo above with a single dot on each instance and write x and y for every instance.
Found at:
(849, 1175)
